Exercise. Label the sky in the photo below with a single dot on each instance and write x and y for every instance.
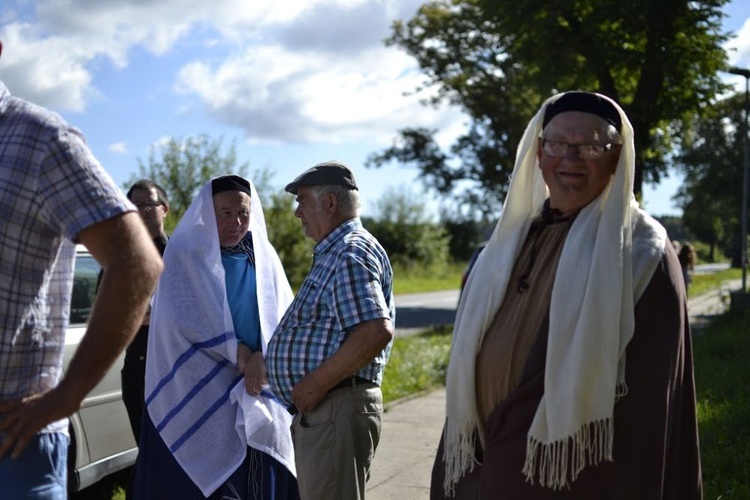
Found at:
(292, 83)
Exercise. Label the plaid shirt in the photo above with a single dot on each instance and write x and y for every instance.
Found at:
(351, 281)
(51, 187)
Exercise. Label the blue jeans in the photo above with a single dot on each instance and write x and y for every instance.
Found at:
(40, 473)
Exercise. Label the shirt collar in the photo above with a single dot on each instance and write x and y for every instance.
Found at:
(334, 236)
(4, 96)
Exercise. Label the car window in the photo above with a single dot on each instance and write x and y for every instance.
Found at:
(84, 288)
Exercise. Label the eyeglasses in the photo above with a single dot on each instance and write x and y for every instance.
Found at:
(585, 151)
(147, 206)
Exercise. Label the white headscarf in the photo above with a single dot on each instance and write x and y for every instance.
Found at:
(191, 366)
(608, 259)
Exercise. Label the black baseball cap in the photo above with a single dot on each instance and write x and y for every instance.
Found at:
(324, 174)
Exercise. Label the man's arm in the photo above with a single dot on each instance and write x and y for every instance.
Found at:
(131, 267)
(363, 344)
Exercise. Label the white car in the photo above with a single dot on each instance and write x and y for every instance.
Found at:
(101, 442)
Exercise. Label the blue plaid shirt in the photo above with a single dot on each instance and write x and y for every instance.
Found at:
(51, 187)
(350, 282)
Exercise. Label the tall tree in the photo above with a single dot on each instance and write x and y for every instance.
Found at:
(500, 59)
(402, 225)
(287, 236)
(182, 166)
(711, 159)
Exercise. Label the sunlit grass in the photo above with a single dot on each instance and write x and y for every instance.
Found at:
(722, 373)
(702, 283)
(416, 280)
(417, 363)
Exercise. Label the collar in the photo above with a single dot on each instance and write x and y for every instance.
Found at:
(4, 97)
(552, 215)
(337, 234)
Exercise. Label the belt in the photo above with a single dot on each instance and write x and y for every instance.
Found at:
(346, 383)
(351, 382)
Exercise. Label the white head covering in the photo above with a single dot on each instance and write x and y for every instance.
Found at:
(609, 256)
(191, 366)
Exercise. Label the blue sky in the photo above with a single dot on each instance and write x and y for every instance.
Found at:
(293, 82)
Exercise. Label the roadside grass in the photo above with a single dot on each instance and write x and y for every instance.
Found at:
(417, 280)
(702, 283)
(722, 373)
(417, 363)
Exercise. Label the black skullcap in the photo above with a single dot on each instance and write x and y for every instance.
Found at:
(230, 183)
(588, 102)
(323, 174)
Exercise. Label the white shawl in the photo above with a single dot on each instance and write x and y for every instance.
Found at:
(608, 259)
(191, 366)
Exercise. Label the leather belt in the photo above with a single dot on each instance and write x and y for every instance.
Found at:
(346, 383)
(351, 382)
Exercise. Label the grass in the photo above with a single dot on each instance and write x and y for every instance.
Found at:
(417, 363)
(722, 373)
(702, 283)
(417, 280)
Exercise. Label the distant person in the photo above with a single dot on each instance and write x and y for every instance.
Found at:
(688, 258)
(571, 370)
(212, 428)
(327, 357)
(153, 205)
(53, 194)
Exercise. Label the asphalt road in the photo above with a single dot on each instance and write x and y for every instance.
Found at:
(419, 311)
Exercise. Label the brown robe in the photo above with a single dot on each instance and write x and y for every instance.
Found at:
(656, 454)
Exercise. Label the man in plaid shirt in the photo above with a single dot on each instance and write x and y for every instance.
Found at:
(327, 356)
(53, 193)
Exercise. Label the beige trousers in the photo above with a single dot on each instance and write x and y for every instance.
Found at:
(335, 443)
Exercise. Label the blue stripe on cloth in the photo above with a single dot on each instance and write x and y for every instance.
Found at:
(184, 357)
(203, 418)
(192, 393)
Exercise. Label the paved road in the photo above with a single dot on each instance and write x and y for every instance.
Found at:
(419, 311)
(711, 268)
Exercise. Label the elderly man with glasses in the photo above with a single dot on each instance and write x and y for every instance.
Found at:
(571, 371)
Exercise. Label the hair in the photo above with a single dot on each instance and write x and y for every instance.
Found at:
(612, 134)
(687, 255)
(348, 199)
(148, 185)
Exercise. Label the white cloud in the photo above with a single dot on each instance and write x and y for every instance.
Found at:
(738, 47)
(119, 148)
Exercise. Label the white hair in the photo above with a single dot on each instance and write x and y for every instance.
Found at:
(349, 203)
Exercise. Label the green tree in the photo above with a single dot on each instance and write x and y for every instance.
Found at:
(711, 194)
(412, 240)
(499, 60)
(182, 166)
(285, 233)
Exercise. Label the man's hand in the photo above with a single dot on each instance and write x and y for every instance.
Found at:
(22, 419)
(253, 366)
(308, 393)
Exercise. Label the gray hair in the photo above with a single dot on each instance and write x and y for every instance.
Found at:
(348, 199)
(613, 135)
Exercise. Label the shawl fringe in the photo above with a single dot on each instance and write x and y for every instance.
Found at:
(558, 463)
(458, 456)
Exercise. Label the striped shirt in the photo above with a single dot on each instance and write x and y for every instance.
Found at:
(51, 187)
(350, 282)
